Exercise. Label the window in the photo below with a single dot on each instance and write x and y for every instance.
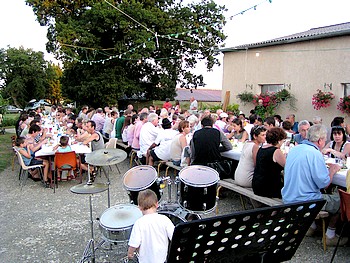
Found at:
(271, 87)
(346, 89)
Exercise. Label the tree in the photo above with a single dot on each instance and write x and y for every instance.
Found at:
(23, 75)
(112, 49)
(54, 75)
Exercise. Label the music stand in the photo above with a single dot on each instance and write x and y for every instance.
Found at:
(270, 234)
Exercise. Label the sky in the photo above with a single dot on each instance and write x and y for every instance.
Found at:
(269, 20)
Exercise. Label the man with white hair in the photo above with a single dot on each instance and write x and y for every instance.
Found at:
(303, 127)
(148, 135)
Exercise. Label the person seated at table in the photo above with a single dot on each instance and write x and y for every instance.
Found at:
(31, 138)
(303, 127)
(161, 148)
(338, 147)
(287, 127)
(148, 135)
(82, 133)
(269, 122)
(96, 141)
(267, 179)
(245, 169)
(63, 146)
(25, 149)
(207, 143)
(238, 132)
(306, 173)
(179, 142)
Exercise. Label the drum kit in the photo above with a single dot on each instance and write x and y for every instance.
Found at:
(195, 190)
(195, 196)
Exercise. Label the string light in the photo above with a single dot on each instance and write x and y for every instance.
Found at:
(173, 37)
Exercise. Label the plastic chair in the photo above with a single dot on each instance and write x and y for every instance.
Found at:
(24, 170)
(66, 161)
(344, 214)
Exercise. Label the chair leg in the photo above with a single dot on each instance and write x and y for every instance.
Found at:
(324, 234)
(217, 198)
(13, 162)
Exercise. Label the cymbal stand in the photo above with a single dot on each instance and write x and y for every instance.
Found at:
(177, 184)
(90, 247)
(108, 183)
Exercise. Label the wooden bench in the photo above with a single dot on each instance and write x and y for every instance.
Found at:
(173, 166)
(248, 192)
(122, 145)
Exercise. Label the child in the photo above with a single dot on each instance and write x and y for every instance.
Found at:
(150, 233)
(27, 155)
(63, 146)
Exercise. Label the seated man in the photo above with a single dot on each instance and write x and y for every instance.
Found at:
(305, 174)
(148, 135)
(205, 144)
(160, 149)
(303, 127)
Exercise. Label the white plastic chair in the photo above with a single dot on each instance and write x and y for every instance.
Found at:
(24, 170)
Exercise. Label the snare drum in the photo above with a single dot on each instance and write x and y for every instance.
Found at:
(140, 178)
(176, 214)
(198, 188)
(117, 221)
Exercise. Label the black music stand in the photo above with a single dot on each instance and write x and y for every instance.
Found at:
(270, 234)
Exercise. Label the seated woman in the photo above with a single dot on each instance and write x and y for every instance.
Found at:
(245, 169)
(25, 149)
(179, 142)
(338, 147)
(238, 132)
(270, 161)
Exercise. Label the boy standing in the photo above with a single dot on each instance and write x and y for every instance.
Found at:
(152, 232)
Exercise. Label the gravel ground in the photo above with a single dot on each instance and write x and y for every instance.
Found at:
(37, 225)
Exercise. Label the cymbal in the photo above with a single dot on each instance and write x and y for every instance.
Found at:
(104, 157)
(89, 188)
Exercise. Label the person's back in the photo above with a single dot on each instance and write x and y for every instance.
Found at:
(305, 174)
(206, 150)
(152, 232)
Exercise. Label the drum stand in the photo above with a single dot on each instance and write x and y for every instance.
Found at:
(90, 247)
(108, 182)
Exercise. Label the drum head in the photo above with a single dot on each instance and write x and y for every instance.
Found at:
(198, 175)
(139, 178)
(120, 216)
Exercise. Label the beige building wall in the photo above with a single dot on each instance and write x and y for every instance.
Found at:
(303, 67)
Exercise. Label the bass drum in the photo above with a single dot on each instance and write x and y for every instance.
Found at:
(117, 221)
(140, 178)
(176, 214)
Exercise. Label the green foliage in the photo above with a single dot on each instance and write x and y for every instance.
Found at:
(233, 108)
(148, 60)
(6, 152)
(9, 120)
(23, 74)
(245, 97)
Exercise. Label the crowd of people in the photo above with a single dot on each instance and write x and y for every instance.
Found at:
(268, 163)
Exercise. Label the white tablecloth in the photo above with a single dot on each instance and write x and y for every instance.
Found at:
(48, 150)
(234, 154)
(338, 179)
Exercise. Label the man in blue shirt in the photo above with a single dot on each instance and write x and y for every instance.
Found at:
(305, 174)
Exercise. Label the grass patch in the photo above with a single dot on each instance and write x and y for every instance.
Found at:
(6, 152)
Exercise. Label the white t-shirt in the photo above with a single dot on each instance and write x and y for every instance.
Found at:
(164, 140)
(148, 135)
(151, 233)
(194, 105)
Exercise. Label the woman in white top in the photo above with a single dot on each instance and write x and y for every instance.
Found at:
(245, 169)
(179, 142)
(338, 147)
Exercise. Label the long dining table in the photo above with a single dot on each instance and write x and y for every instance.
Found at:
(338, 179)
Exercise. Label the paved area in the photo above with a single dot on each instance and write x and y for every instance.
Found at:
(37, 225)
